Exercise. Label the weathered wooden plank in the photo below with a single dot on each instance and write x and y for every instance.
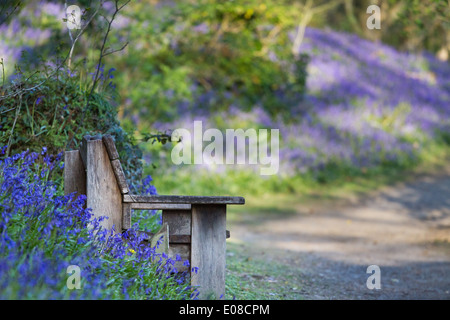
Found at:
(120, 176)
(74, 173)
(160, 240)
(173, 238)
(179, 221)
(179, 238)
(126, 216)
(208, 249)
(103, 194)
(159, 206)
(83, 146)
(83, 149)
(184, 199)
(184, 252)
(110, 147)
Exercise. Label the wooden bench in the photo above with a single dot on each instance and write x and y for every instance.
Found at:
(196, 224)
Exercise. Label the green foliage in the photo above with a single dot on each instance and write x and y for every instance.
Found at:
(335, 178)
(210, 54)
(425, 20)
(49, 109)
(250, 278)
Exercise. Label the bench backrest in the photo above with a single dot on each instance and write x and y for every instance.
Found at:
(95, 171)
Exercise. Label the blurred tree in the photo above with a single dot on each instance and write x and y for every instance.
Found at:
(210, 55)
(427, 25)
(306, 13)
(405, 24)
(8, 8)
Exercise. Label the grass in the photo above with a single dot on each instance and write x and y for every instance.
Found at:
(254, 278)
(335, 181)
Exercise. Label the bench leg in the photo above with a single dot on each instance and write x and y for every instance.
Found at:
(208, 249)
(179, 222)
(74, 173)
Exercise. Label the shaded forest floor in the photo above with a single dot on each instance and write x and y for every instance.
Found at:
(321, 249)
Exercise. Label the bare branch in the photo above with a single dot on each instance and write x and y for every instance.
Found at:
(120, 8)
(58, 67)
(82, 31)
(266, 42)
(100, 59)
(116, 50)
(308, 15)
(13, 126)
(8, 14)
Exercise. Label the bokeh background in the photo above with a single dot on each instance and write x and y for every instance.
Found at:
(349, 101)
(357, 108)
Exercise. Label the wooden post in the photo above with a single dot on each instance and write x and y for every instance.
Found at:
(194, 227)
(208, 249)
(74, 173)
(103, 194)
(126, 216)
(179, 222)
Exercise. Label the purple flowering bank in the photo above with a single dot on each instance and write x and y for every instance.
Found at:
(43, 232)
(366, 104)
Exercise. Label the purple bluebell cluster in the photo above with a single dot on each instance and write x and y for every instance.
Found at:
(367, 104)
(21, 34)
(43, 232)
(104, 78)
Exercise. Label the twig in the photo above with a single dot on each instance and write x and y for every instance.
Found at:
(82, 31)
(14, 125)
(3, 73)
(222, 28)
(310, 12)
(102, 53)
(117, 50)
(7, 110)
(101, 56)
(23, 90)
(68, 56)
(7, 15)
(269, 39)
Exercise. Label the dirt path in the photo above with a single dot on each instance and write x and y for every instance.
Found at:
(404, 229)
